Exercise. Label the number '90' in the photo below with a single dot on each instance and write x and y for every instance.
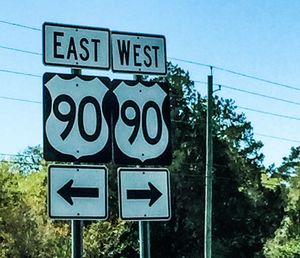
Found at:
(140, 119)
(70, 116)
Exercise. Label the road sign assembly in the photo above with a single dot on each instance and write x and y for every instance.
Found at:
(141, 123)
(144, 194)
(76, 118)
(93, 119)
(77, 192)
(138, 53)
(76, 46)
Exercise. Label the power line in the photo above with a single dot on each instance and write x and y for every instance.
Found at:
(258, 79)
(245, 108)
(269, 113)
(237, 73)
(192, 62)
(277, 138)
(20, 73)
(259, 94)
(181, 60)
(252, 93)
(20, 50)
(20, 25)
(22, 100)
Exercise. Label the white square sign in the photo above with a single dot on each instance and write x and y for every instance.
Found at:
(77, 192)
(144, 194)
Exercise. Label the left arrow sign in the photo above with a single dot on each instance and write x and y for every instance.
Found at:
(67, 192)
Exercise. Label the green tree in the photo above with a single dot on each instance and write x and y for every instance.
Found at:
(242, 216)
(286, 240)
(25, 229)
(111, 239)
(29, 160)
(245, 211)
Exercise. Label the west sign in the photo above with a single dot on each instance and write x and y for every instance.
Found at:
(138, 53)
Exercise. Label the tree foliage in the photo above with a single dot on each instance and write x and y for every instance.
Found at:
(286, 240)
(246, 211)
(25, 229)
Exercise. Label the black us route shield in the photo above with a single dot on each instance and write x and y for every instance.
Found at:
(77, 118)
(141, 123)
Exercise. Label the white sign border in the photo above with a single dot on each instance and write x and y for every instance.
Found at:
(49, 151)
(75, 27)
(138, 170)
(132, 34)
(77, 217)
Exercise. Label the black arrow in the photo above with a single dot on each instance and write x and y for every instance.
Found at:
(138, 194)
(67, 192)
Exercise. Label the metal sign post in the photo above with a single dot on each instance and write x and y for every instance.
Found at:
(144, 226)
(144, 238)
(77, 225)
(77, 239)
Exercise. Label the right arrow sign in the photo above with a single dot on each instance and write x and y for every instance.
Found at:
(152, 194)
(144, 194)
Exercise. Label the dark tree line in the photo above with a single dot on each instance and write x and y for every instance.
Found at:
(253, 211)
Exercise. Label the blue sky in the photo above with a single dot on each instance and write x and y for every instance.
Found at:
(257, 38)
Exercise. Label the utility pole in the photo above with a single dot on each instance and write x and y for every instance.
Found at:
(76, 226)
(208, 172)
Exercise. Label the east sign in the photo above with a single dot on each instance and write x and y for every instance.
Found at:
(76, 46)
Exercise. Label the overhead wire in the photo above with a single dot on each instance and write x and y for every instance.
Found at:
(260, 95)
(20, 25)
(20, 50)
(237, 73)
(22, 100)
(20, 73)
(175, 59)
(277, 138)
(186, 61)
(269, 113)
(251, 92)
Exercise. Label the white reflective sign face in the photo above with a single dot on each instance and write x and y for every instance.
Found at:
(141, 123)
(76, 46)
(144, 194)
(75, 125)
(138, 53)
(77, 192)
(151, 138)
